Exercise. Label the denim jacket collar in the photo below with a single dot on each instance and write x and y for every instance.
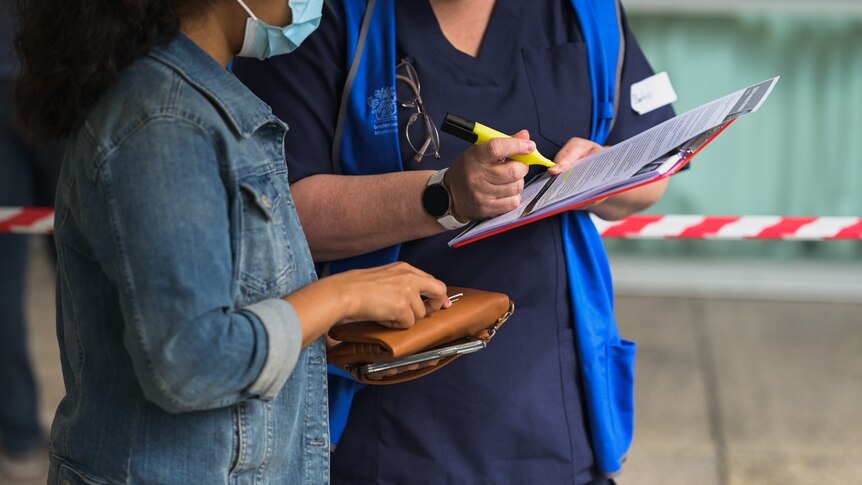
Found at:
(242, 109)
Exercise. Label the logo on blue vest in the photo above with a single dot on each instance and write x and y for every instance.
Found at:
(384, 110)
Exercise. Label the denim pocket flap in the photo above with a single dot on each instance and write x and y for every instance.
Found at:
(67, 475)
(264, 194)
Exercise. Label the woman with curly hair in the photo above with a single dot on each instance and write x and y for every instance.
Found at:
(189, 319)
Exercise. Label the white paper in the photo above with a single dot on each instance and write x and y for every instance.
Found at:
(640, 159)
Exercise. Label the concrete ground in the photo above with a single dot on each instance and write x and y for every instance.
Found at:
(745, 389)
(758, 382)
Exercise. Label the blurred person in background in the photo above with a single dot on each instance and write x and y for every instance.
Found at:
(28, 177)
(189, 316)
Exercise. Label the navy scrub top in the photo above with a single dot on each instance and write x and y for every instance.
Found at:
(513, 413)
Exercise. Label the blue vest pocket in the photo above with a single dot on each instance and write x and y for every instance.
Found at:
(622, 381)
(620, 387)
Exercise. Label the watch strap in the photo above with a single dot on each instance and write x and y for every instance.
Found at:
(437, 178)
(447, 220)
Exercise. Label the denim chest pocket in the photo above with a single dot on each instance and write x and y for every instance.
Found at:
(266, 260)
(560, 82)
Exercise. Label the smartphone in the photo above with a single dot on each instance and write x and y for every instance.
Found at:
(464, 347)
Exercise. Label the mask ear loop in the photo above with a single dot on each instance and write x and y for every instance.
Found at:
(248, 10)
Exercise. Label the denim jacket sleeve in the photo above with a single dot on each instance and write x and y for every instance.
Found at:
(167, 205)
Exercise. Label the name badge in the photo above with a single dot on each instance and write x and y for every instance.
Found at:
(652, 93)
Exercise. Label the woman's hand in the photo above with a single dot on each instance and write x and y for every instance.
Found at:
(395, 295)
(484, 182)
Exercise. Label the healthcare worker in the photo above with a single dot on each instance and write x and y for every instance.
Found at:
(189, 319)
(551, 400)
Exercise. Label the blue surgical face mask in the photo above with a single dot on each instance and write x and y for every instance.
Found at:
(263, 40)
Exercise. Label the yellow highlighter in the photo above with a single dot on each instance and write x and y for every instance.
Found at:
(477, 133)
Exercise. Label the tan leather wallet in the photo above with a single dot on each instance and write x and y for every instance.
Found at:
(476, 314)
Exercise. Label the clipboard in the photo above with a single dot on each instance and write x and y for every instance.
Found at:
(676, 161)
(653, 155)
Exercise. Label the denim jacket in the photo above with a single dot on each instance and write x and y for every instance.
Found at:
(176, 237)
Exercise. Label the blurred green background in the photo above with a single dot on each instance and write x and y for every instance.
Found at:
(800, 155)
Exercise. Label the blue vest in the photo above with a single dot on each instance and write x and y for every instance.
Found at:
(606, 361)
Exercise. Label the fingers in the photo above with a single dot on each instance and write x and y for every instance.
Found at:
(407, 287)
(484, 182)
(499, 149)
(435, 294)
(417, 306)
(407, 308)
(430, 307)
(399, 266)
(506, 190)
(376, 376)
(432, 288)
(434, 304)
(504, 173)
(505, 204)
(391, 295)
(574, 150)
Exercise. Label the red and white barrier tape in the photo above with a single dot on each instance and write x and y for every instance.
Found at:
(41, 221)
(733, 227)
(26, 220)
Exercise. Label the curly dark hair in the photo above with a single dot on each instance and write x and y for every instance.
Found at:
(71, 51)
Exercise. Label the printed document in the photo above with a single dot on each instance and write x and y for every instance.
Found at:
(647, 157)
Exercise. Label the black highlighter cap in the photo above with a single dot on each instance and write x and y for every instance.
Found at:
(460, 127)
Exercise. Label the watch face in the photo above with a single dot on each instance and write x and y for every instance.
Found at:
(435, 199)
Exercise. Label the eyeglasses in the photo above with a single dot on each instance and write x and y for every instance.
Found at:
(419, 125)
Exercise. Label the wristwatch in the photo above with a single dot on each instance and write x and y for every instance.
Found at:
(437, 201)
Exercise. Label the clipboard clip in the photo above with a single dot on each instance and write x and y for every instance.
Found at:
(691, 147)
(684, 152)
